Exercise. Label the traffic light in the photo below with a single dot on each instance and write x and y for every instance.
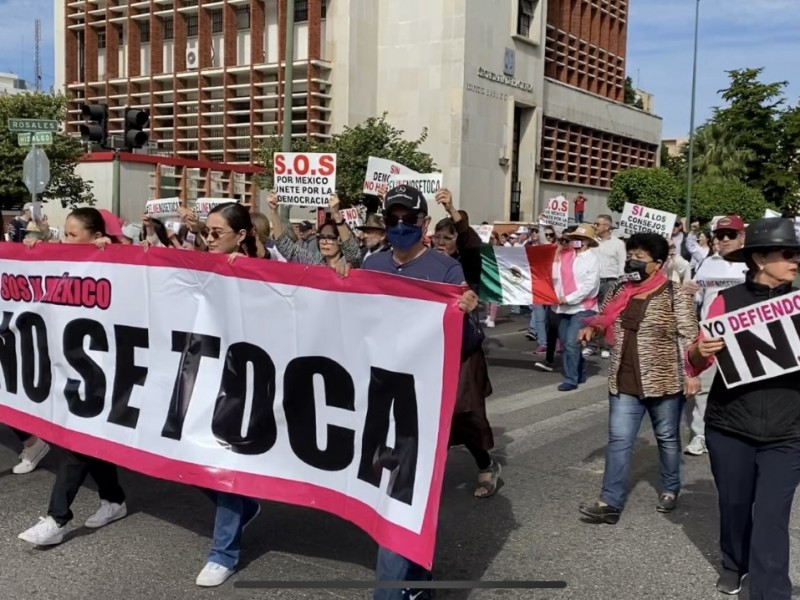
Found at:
(135, 121)
(96, 128)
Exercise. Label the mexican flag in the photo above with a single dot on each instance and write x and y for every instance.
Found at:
(518, 276)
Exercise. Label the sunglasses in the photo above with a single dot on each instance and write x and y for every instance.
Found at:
(550, 236)
(408, 219)
(787, 253)
(327, 237)
(728, 234)
(215, 234)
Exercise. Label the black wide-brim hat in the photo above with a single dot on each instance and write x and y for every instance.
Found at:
(774, 233)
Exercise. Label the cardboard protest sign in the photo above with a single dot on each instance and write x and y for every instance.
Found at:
(203, 206)
(428, 184)
(556, 212)
(641, 219)
(379, 171)
(163, 208)
(484, 232)
(351, 217)
(304, 178)
(761, 341)
(94, 365)
(771, 214)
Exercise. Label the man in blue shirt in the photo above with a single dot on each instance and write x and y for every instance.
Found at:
(407, 220)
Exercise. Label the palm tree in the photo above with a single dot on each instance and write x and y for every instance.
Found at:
(717, 154)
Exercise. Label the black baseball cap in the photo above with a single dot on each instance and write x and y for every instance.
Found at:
(405, 195)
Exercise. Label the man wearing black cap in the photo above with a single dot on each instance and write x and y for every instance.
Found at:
(306, 238)
(407, 220)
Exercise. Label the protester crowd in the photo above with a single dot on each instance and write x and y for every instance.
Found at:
(636, 302)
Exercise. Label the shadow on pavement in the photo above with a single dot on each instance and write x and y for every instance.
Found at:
(698, 516)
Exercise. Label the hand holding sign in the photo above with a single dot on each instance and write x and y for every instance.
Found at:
(272, 201)
(445, 198)
(708, 347)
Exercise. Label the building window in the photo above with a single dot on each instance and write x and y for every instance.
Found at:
(243, 18)
(169, 29)
(101, 39)
(191, 26)
(216, 21)
(324, 9)
(144, 32)
(120, 36)
(525, 10)
(300, 11)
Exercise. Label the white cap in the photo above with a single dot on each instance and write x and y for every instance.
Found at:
(27, 207)
(522, 230)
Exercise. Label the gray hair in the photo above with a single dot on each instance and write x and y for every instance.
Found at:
(607, 218)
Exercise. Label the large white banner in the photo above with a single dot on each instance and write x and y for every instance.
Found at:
(181, 366)
(762, 341)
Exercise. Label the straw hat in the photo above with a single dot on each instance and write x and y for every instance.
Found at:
(586, 233)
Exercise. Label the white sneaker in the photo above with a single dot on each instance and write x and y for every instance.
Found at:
(489, 323)
(31, 456)
(45, 533)
(107, 513)
(213, 574)
(697, 447)
(605, 354)
(587, 352)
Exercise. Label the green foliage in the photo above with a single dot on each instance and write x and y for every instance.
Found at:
(353, 147)
(674, 164)
(712, 197)
(65, 185)
(655, 188)
(631, 97)
(754, 139)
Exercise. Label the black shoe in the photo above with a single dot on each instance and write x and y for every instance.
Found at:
(667, 503)
(730, 582)
(600, 514)
(530, 336)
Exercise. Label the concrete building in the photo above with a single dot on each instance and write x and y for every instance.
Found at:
(522, 99)
(11, 83)
(674, 145)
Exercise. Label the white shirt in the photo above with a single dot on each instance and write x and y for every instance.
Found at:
(586, 269)
(678, 269)
(612, 255)
(699, 254)
(715, 275)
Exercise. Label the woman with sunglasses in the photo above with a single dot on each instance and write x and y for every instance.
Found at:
(231, 232)
(753, 430)
(340, 245)
(714, 275)
(83, 226)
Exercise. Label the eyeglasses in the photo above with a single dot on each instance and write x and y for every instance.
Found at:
(443, 239)
(215, 234)
(408, 218)
(327, 237)
(729, 234)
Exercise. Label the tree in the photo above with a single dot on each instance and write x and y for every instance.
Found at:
(712, 197)
(353, 147)
(717, 153)
(631, 97)
(65, 185)
(654, 188)
(674, 164)
(754, 117)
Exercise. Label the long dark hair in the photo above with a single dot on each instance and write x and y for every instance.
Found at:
(91, 219)
(160, 230)
(237, 216)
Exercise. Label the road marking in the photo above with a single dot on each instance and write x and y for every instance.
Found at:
(533, 436)
(539, 395)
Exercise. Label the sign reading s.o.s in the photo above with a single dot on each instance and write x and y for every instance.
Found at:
(304, 178)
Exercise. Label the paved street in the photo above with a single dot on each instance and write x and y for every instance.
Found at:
(552, 445)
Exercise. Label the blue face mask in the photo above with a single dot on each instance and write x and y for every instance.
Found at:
(403, 236)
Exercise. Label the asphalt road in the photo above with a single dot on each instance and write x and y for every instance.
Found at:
(552, 448)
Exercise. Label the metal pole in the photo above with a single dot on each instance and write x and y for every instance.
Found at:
(115, 184)
(35, 175)
(288, 78)
(690, 166)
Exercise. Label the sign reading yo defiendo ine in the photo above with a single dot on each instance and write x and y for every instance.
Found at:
(761, 341)
(159, 383)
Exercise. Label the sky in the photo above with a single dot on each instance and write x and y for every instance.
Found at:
(733, 34)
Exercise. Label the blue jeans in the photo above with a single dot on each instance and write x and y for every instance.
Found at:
(538, 322)
(574, 364)
(624, 421)
(233, 513)
(393, 567)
